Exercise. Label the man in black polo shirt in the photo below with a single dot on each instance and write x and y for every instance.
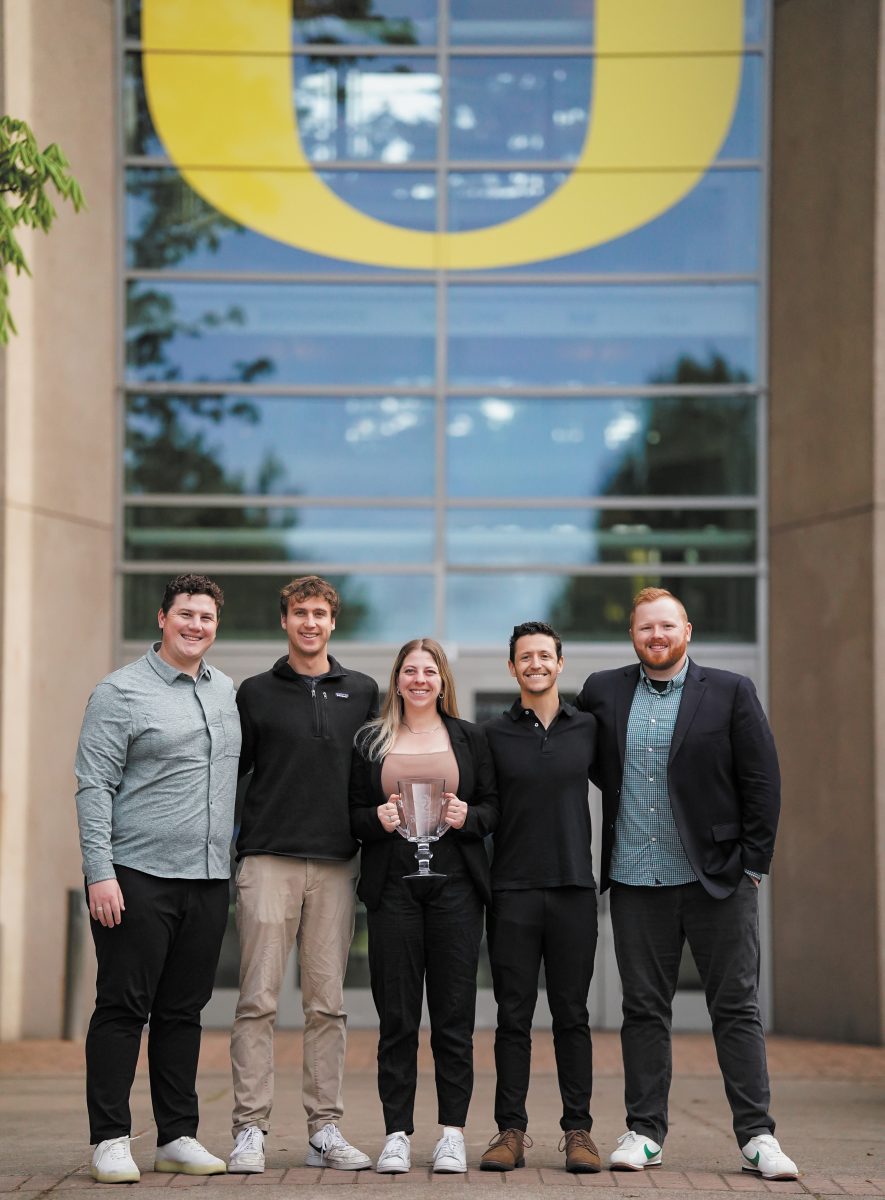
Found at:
(543, 898)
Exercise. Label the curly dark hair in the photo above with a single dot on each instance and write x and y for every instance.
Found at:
(306, 588)
(192, 585)
(529, 627)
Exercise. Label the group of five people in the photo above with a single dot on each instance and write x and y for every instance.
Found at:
(686, 764)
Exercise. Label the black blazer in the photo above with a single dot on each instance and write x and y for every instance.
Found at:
(476, 786)
(722, 774)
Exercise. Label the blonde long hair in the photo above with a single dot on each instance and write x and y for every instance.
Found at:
(375, 738)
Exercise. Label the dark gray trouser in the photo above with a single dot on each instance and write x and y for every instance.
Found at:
(556, 925)
(650, 925)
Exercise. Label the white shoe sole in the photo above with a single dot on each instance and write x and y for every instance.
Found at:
(242, 1168)
(455, 1170)
(166, 1166)
(317, 1160)
(118, 1177)
(622, 1166)
(388, 1169)
(782, 1175)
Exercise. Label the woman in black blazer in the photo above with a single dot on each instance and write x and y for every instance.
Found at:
(430, 935)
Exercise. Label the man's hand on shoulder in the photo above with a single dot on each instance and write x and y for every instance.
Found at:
(106, 902)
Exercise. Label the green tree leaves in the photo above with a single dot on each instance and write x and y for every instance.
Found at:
(27, 174)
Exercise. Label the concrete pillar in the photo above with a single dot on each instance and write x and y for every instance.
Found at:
(57, 438)
(827, 540)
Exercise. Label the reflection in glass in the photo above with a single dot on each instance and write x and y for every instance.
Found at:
(519, 108)
(389, 110)
(482, 609)
(372, 606)
(381, 109)
(387, 22)
(132, 18)
(281, 333)
(754, 21)
(521, 22)
(407, 199)
(169, 225)
(714, 229)
(579, 537)
(744, 138)
(504, 445)
(480, 198)
(472, 22)
(279, 445)
(267, 534)
(397, 23)
(139, 135)
(596, 335)
(385, 109)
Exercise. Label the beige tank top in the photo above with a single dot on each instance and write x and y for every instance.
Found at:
(440, 765)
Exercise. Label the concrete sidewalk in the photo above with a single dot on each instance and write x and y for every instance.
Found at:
(829, 1102)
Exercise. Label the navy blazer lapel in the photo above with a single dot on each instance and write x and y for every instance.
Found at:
(623, 703)
(692, 694)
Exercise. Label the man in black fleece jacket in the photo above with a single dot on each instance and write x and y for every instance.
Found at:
(297, 873)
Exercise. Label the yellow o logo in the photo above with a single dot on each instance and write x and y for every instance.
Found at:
(218, 81)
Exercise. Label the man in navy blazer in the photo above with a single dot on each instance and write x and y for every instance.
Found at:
(688, 770)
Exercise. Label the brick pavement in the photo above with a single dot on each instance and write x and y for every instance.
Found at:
(829, 1100)
(525, 1182)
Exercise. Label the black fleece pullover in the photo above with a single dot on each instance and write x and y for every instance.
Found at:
(298, 741)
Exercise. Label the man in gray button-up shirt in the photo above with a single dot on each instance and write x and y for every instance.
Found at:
(157, 771)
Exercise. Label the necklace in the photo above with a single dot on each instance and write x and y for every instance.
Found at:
(420, 732)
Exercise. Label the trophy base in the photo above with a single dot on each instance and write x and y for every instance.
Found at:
(425, 881)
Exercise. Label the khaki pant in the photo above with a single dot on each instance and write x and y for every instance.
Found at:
(281, 901)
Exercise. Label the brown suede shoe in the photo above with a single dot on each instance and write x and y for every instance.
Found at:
(581, 1155)
(505, 1151)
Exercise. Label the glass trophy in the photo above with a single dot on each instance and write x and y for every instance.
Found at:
(421, 821)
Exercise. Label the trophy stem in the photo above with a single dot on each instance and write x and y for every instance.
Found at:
(424, 854)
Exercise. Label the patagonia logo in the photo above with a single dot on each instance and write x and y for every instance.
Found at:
(343, 695)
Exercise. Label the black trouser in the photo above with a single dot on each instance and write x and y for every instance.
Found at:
(650, 925)
(557, 925)
(158, 964)
(413, 940)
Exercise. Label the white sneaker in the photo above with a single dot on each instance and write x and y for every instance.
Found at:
(112, 1162)
(396, 1157)
(450, 1153)
(635, 1152)
(247, 1157)
(185, 1156)
(763, 1155)
(329, 1148)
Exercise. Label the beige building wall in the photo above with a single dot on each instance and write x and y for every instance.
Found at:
(826, 482)
(57, 439)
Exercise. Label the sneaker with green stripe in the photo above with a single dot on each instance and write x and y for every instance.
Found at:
(763, 1155)
(635, 1152)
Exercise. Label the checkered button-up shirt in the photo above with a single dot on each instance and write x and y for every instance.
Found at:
(647, 848)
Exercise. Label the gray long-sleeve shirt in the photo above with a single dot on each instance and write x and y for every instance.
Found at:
(157, 772)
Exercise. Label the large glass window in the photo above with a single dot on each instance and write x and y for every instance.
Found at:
(537, 433)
